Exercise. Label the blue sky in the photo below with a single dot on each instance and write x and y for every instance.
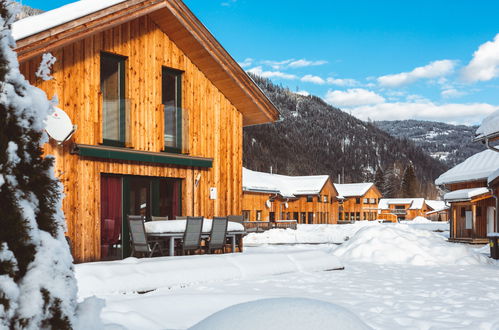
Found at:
(432, 60)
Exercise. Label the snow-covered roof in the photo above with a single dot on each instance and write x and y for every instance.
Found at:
(414, 203)
(286, 186)
(489, 127)
(34, 24)
(493, 176)
(476, 167)
(436, 205)
(464, 194)
(352, 189)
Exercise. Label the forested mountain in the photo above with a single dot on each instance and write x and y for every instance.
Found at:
(26, 11)
(315, 138)
(451, 144)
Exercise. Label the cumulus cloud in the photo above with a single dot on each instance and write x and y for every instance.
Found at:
(342, 82)
(485, 63)
(305, 63)
(228, 3)
(353, 97)
(450, 93)
(433, 70)
(246, 63)
(470, 113)
(271, 74)
(313, 79)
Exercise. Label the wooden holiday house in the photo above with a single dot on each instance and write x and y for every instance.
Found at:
(473, 206)
(159, 107)
(306, 199)
(357, 201)
(403, 208)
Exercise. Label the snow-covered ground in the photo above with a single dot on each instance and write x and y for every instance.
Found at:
(396, 276)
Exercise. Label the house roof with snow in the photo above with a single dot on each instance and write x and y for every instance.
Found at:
(465, 194)
(65, 25)
(437, 205)
(489, 128)
(414, 203)
(353, 189)
(477, 167)
(286, 186)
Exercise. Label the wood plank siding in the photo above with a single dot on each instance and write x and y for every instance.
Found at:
(305, 208)
(215, 126)
(360, 207)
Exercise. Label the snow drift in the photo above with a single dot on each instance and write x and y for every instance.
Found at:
(401, 244)
(283, 313)
(137, 275)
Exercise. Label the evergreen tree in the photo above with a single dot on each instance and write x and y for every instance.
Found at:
(391, 186)
(409, 185)
(379, 178)
(37, 284)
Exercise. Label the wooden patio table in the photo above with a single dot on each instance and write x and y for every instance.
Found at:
(174, 229)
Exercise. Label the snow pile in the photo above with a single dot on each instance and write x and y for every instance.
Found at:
(420, 220)
(283, 313)
(137, 275)
(402, 244)
(308, 234)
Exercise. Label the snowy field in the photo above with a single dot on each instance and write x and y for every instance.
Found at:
(395, 276)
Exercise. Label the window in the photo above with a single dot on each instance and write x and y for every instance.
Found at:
(310, 199)
(303, 217)
(340, 215)
(172, 102)
(478, 211)
(357, 200)
(463, 212)
(258, 215)
(112, 84)
(319, 200)
(246, 215)
(325, 198)
(357, 216)
(347, 215)
(372, 200)
(295, 216)
(272, 216)
(366, 201)
(310, 218)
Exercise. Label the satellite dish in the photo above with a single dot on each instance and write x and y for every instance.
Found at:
(59, 126)
(286, 205)
(268, 203)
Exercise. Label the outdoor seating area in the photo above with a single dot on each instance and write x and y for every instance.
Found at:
(184, 235)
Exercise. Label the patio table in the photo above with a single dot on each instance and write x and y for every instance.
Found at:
(174, 229)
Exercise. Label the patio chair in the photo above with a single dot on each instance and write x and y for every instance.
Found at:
(155, 218)
(192, 235)
(218, 235)
(139, 241)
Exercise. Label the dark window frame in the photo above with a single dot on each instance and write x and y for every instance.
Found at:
(122, 96)
(179, 132)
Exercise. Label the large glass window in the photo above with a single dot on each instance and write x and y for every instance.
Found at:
(112, 82)
(172, 101)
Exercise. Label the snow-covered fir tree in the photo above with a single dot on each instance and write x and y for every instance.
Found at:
(37, 283)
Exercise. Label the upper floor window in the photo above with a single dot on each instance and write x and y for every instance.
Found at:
(112, 84)
(357, 200)
(325, 198)
(172, 101)
(310, 199)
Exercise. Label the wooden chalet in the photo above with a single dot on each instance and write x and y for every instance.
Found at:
(473, 206)
(159, 107)
(357, 201)
(403, 208)
(437, 210)
(306, 199)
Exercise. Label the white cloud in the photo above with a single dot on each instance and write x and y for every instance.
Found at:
(433, 70)
(276, 65)
(450, 93)
(313, 79)
(304, 63)
(228, 3)
(471, 113)
(485, 63)
(353, 97)
(271, 74)
(246, 63)
(342, 82)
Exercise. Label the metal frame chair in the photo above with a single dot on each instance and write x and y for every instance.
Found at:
(236, 218)
(192, 235)
(218, 234)
(155, 218)
(138, 238)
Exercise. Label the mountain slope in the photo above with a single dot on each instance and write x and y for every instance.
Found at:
(451, 144)
(316, 138)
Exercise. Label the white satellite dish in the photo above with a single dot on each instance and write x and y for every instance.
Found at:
(59, 126)
(268, 203)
